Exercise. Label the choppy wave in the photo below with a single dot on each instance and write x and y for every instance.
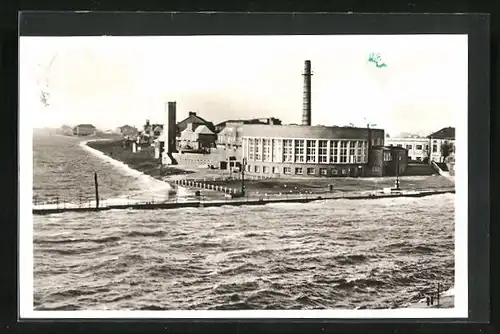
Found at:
(380, 253)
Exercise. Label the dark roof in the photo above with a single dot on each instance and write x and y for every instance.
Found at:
(444, 133)
(251, 121)
(86, 125)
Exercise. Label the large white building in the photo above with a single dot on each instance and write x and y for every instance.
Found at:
(418, 148)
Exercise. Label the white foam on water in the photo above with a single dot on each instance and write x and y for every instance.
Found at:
(154, 188)
(122, 166)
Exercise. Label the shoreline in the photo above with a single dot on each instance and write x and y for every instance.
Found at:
(205, 181)
(117, 163)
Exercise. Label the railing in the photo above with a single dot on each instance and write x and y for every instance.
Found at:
(250, 198)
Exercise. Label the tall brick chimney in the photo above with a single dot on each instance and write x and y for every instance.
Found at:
(171, 127)
(306, 105)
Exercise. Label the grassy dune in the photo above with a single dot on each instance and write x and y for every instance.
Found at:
(143, 161)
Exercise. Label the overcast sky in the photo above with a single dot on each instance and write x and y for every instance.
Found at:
(111, 81)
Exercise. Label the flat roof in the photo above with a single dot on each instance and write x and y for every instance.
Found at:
(302, 131)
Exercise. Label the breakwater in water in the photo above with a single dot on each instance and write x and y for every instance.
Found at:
(235, 202)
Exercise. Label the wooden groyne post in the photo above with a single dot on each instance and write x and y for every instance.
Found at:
(96, 191)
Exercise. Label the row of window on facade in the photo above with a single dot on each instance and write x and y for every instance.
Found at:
(417, 147)
(306, 151)
(297, 170)
(420, 147)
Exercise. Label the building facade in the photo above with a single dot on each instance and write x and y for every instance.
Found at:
(84, 130)
(418, 148)
(388, 160)
(127, 130)
(195, 121)
(442, 144)
(291, 150)
(230, 135)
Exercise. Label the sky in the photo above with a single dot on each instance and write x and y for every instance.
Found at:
(112, 81)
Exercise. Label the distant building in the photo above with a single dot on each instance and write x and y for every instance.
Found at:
(201, 138)
(66, 130)
(127, 130)
(230, 135)
(196, 121)
(418, 148)
(442, 144)
(84, 130)
(270, 121)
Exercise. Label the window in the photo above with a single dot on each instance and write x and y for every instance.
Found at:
(434, 148)
(287, 170)
(426, 147)
(299, 150)
(249, 168)
(266, 149)
(287, 150)
(257, 169)
(335, 171)
(419, 147)
(251, 149)
(343, 152)
(323, 171)
(277, 151)
(352, 151)
(387, 156)
(334, 152)
(265, 170)
(322, 151)
(311, 151)
(344, 171)
(298, 170)
(419, 159)
(359, 152)
(276, 170)
(409, 147)
(311, 171)
(258, 156)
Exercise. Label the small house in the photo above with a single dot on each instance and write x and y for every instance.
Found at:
(84, 130)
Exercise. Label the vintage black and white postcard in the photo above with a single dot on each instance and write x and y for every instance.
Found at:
(271, 176)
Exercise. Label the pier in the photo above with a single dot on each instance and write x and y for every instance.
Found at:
(262, 200)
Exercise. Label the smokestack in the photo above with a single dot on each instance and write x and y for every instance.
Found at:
(306, 106)
(170, 128)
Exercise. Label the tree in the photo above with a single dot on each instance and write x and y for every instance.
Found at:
(446, 149)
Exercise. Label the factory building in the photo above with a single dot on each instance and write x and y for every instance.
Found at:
(308, 150)
(272, 149)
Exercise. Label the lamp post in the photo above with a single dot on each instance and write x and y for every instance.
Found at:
(243, 167)
(397, 171)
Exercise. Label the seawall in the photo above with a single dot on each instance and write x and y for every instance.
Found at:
(236, 202)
